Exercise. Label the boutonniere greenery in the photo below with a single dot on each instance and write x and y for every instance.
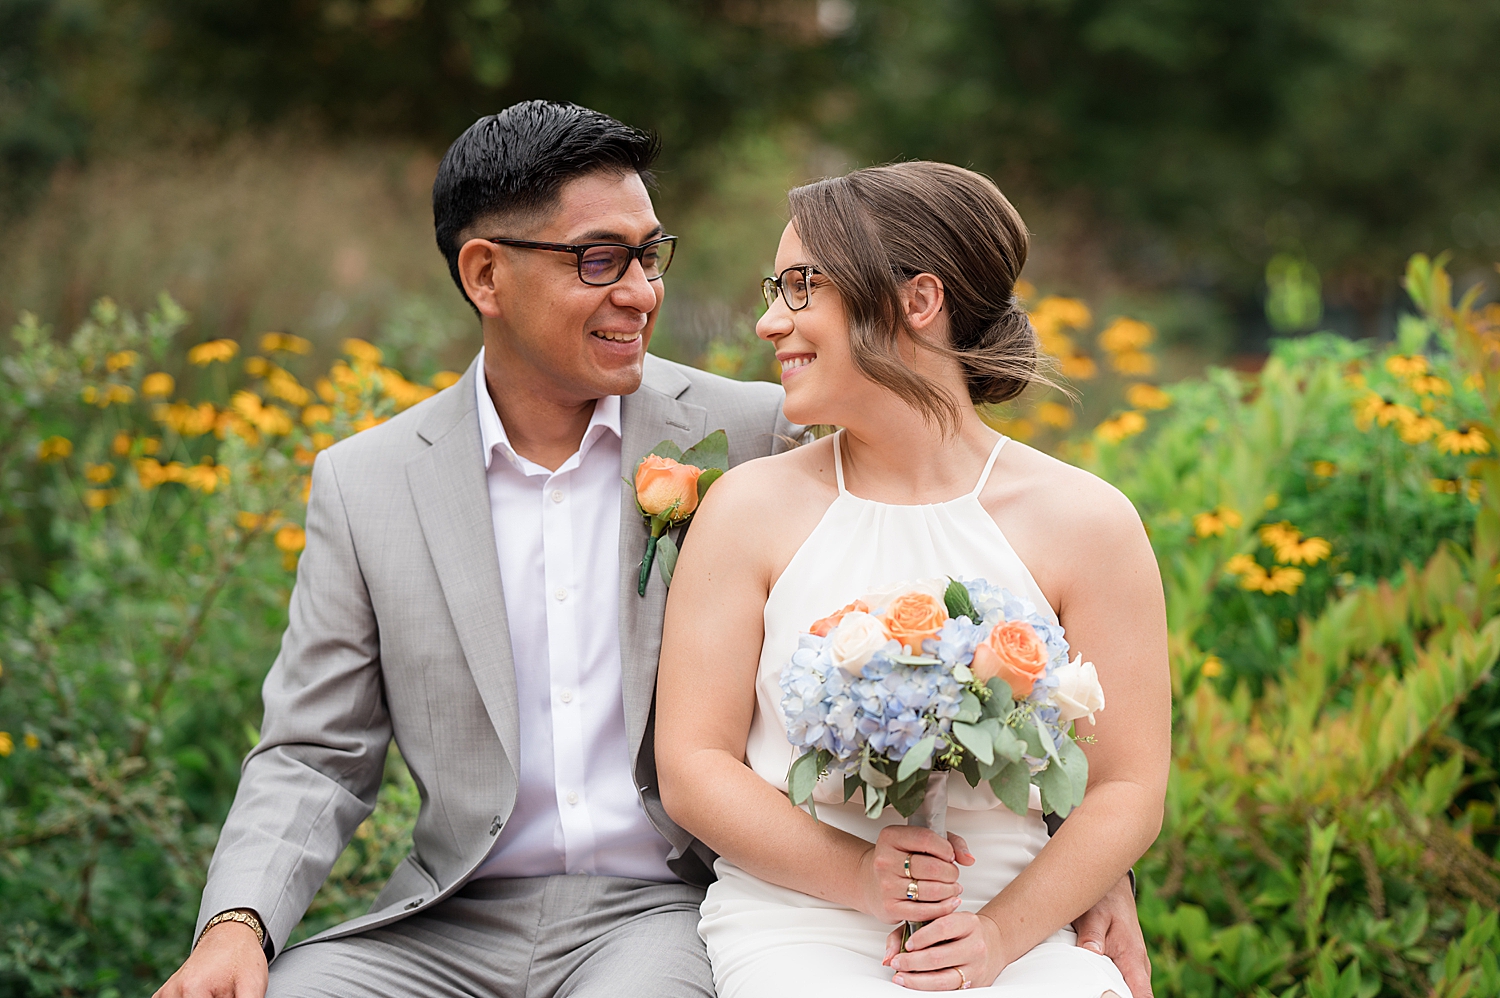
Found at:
(669, 484)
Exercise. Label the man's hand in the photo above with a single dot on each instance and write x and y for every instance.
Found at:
(227, 963)
(1112, 928)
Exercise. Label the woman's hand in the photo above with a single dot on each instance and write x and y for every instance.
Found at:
(904, 855)
(958, 951)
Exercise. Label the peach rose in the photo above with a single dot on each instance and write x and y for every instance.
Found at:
(822, 628)
(914, 617)
(663, 484)
(1013, 652)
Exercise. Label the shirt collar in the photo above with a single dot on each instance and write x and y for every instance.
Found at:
(493, 438)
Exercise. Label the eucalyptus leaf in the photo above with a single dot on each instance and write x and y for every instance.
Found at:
(873, 776)
(1057, 790)
(916, 757)
(1001, 703)
(802, 777)
(1032, 738)
(1076, 765)
(666, 449)
(911, 796)
(990, 771)
(874, 802)
(976, 740)
(1046, 737)
(666, 558)
(956, 599)
(852, 783)
(1007, 745)
(969, 709)
(916, 660)
(969, 766)
(710, 452)
(963, 674)
(706, 479)
(1013, 787)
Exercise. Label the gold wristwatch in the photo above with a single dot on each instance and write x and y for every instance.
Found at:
(244, 915)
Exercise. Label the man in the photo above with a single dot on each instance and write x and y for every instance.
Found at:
(469, 588)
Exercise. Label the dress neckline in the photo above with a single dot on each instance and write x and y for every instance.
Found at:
(838, 473)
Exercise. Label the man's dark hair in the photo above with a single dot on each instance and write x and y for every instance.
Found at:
(515, 162)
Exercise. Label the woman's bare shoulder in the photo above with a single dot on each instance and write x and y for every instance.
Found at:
(1060, 500)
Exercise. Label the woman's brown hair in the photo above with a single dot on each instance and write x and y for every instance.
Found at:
(873, 230)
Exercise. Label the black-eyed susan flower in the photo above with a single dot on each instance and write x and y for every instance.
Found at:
(31, 741)
(1213, 667)
(1126, 424)
(1078, 366)
(1123, 336)
(54, 449)
(99, 498)
(444, 379)
(98, 473)
(284, 343)
(1324, 469)
(120, 446)
(1406, 366)
(1144, 396)
(1055, 414)
(1216, 521)
(1430, 384)
(120, 361)
(1136, 363)
(1419, 429)
(158, 385)
(1463, 440)
(220, 351)
(363, 351)
(7, 744)
(316, 415)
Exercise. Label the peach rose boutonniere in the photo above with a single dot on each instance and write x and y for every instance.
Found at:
(669, 483)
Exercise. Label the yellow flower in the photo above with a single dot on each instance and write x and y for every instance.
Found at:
(1405, 367)
(284, 386)
(363, 351)
(1126, 336)
(1475, 490)
(117, 395)
(1420, 429)
(1273, 534)
(1445, 485)
(313, 415)
(1282, 580)
(1058, 311)
(1024, 289)
(257, 366)
(150, 472)
(1055, 414)
(120, 446)
(326, 391)
(54, 449)
(1324, 469)
(256, 521)
(205, 477)
(1144, 396)
(205, 354)
(1464, 440)
(1126, 424)
(1213, 667)
(232, 422)
(1372, 407)
(158, 385)
(403, 392)
(99, 498)
(186, 420)
(322, 441)
(120, 361)
(1241, 564)
(31, 740)
(291, 538)
(7, 746)
(1474, 382)
(445, 379)
(1216, 521)
(269, 419)
(366, 421)
(1133, 362)
(98, 473)
(1428, 384)
(150, 445)
(1078, 366)
(90, 395)
(285, 343)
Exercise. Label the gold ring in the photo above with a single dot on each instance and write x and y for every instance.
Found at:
(963, 982)
(911, 891)
(906, 870)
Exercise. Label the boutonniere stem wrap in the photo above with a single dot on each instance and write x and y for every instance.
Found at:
(669, 484)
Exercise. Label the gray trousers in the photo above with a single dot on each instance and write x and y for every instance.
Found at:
(565, 936)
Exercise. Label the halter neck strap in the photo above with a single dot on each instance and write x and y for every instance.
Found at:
(838, 461)
(989, 466)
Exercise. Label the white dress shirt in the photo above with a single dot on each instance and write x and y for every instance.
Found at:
(557, 535)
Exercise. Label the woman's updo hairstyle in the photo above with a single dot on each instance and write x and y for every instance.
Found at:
(873, 230)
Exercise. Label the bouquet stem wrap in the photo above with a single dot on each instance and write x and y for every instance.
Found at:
(932, 813)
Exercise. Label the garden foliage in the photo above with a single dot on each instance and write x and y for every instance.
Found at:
(1329, 537)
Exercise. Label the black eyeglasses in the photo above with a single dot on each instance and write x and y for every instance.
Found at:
(794, 285)
(603, 264)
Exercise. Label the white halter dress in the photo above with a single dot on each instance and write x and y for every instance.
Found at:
(767, 941)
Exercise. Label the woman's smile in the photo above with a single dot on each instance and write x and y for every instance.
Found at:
(793, 362)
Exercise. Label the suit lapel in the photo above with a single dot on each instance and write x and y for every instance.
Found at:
(451, 494)
(649, 416)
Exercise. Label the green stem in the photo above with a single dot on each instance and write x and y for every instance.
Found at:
(646, 561)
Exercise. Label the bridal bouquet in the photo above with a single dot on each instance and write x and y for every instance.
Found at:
(898, 689)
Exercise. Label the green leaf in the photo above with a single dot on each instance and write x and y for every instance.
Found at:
(963, 674)
(1013, 787)
(909, 797)
(970, 768)
(1045, 737)
(852, 782)
(1000, 703)
(1007, 745)
(956, 599)
(915, 660)
(976, 740)
(1032, 740)
(916, 757)
(665, 449)
(802, 777)
(666, 558)
(1076, 765)
(873, 776)
(1057, 790)
(874, 802)
(706, 479)
(710, 452)
(969, 710)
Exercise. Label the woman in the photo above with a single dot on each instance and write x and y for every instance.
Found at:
(893, 316)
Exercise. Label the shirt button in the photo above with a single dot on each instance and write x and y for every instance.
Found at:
(557, 495)
(567, 696)
(561, 594)
(572, 797)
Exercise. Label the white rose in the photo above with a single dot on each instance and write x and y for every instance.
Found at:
(881, 598)
(857, 638)
(1078, 692)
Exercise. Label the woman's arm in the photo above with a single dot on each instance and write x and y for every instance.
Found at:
(706, 697)
(1112, 606)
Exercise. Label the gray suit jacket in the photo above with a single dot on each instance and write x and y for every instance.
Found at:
(397, 629)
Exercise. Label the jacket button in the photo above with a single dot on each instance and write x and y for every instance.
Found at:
(415, 904)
